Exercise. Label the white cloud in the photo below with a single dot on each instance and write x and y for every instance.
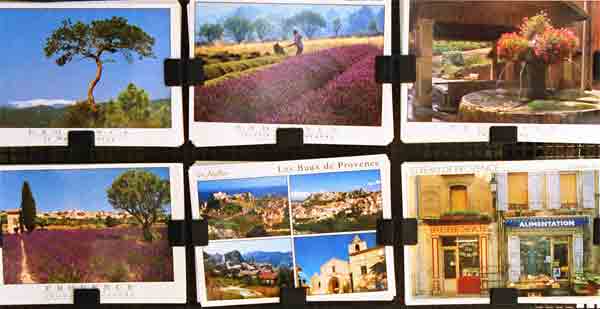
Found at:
(41, 102)
(299, 196)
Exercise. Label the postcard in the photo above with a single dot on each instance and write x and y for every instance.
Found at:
(89, 66)
(290, 64)
(526, 225)
(67, 227)
(528, 64)
(306, 223)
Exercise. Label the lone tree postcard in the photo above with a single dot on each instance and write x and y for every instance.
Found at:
(104, 225)
(84, 67)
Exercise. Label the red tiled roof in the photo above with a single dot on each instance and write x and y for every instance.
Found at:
(267, 275)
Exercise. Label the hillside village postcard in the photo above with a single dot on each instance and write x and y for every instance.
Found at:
(485, 63)
(525, 225)
(304, 63)
(309, 223)
(64, 226)
(89, 66)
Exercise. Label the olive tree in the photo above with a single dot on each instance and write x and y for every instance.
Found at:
(141, 194)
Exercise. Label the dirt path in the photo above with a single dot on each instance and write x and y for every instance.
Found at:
(26, 276)
(246, 293)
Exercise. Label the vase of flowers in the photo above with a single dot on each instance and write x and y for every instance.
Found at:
(537, 45)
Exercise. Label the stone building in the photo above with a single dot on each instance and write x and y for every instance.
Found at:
(457, 249)
(13, 224)
(364, 271)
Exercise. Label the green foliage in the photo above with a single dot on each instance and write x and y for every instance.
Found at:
(213, 71)
(336, 25)
(453, 57)
(263, 28)
(238, 28)
(111, 222)
(440, 47)
(310, 22)
(143, 195)
(3, 219)
(373, 28)
(134, 102)
(231, 209)
(28, 209)
(552, 105)
(211, 32)
(285, 277)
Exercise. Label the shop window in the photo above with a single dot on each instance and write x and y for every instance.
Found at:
(536, 259)
(468, 256)
(458, 198)
(518, 197)
(448, 241)
(560, 263)
(568, 190)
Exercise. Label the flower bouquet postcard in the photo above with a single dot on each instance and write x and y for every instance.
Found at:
(287, 63)
(308, 223)
(89, 66)
(524, 225)
(67, 227)
(497, 63)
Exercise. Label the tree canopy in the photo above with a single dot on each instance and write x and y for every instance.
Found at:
(211, 32)
(28, 208)
(239, 28)
(263, 28)
(309, 22)
(141, 194)
(96, 40)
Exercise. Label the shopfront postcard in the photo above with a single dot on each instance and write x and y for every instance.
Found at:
(309, 223)
(286, 63)
(524, 225)
(67, 227)
(496, 63)
(89, 66)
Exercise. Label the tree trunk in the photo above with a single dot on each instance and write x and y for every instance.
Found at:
(536, 79)
(90, 94)
(147, 230)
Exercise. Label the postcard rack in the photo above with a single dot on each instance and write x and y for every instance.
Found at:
(290, 146)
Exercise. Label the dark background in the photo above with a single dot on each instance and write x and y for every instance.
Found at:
(397, 152)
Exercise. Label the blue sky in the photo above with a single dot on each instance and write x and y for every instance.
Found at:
(312, 252)
(28, 75)
(303, 185)
(258, 186)
(52, 190)
(246, 246)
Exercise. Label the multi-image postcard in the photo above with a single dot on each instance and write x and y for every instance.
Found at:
(498, 63)
(89, 66)
(308, 224)
(67, 227)
(526, 225)
(306, 64)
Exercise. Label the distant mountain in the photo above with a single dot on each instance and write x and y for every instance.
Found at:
(276, 259)
(214, 258)
(234, 257)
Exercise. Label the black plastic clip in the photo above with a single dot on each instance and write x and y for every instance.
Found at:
(504, 296)
(596, 235)
(596, 66)
(503, 135)
(86, 297)
(176, 233)
(179, 72)
(81, 144)
(396, 69)
(290, 137)
(392, 232)
(200, 233)
(292, 297)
